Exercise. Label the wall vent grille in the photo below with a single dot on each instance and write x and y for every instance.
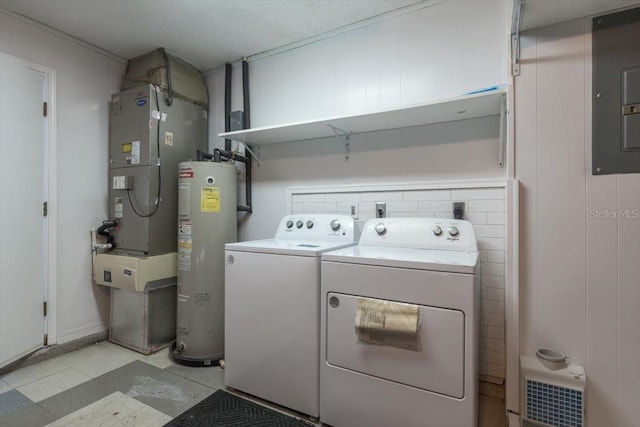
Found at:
(554, 405)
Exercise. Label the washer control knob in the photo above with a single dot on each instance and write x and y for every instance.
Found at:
(335, 225)
(453, 231)
(289, 224)
(381, 228)
(309, 224)
(437, 230)
(299, 223)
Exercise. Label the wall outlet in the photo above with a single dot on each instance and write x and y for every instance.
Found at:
(381, 209)
(354, 211)
(458, 210)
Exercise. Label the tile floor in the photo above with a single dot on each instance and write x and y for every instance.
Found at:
(108, 385)
(103, 384)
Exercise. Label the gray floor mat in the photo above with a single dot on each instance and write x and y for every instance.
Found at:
(223, 409)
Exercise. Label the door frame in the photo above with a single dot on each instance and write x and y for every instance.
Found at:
(51, 196)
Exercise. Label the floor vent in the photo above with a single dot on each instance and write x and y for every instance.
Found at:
(552, 396)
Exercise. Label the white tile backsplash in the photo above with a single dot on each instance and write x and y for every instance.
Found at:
(343, 197)
(427, 195)
(316, 207)
(489, 230)
(302, 198)
(435, 206)
(491, 243)
(490, 356)
(476, 218)
(491, 281)
(495, 256)
(477, 194)
(345, 207)
(491, 344)
(394, 206)
(496, 218)
(448, 215)
(492, 268)
(484, 208)
(496, 370)
(495, 332)
(494, 307)
(381, 196)
(494, 294)
(491, 318)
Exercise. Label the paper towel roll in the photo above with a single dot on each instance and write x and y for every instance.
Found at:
(388, 323)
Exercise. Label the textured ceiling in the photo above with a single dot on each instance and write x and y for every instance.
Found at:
(206, 33)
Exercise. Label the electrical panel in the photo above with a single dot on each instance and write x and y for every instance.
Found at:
(616, 93)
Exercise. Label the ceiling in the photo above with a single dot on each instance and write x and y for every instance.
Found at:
(206, 33)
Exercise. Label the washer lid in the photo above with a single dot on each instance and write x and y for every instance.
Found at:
(287, 247)
(421, 259)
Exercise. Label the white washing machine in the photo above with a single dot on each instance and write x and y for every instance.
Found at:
(398, 326)
(272, 310)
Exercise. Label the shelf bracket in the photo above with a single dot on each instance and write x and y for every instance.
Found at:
(344, 138)
(516, 20)
(250, 151)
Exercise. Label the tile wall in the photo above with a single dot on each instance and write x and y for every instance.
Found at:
(485, 208)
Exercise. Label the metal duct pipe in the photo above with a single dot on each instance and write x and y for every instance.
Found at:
(168, 70)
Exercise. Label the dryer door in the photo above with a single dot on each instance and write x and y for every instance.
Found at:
(437, 365)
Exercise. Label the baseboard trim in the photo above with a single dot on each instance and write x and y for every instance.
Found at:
(55, 350)
(82, 332)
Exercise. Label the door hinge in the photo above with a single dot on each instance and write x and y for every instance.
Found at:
(45, 208)
(44, 308)
(45, 339)
(44, 109)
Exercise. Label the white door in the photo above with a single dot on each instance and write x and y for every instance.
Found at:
(22, 223)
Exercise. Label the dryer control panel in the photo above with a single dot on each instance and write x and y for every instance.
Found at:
(317, 227)
(420, 233)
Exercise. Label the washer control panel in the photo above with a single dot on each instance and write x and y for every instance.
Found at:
(420, 233)
(317, 227)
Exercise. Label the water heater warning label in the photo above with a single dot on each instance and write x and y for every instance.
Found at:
(210, 199)
(184, 230)
(184, 259)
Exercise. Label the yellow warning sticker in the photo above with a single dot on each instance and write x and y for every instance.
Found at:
(210, 199)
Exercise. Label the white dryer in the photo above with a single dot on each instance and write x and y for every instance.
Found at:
(272, 309)
(398, 326)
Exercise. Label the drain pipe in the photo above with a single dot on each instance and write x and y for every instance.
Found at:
(223, 155)
(226, 155)
(227, 103)
(245, 94)
(247, 125)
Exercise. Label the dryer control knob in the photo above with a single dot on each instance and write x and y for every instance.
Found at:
(381, 228)
(453, 231)
(437, 230)
(289, 224)
(335, 225)
(309, 224)
(299, 223)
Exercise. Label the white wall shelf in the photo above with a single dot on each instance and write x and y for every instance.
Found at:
(540, 13)
(446, 110)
